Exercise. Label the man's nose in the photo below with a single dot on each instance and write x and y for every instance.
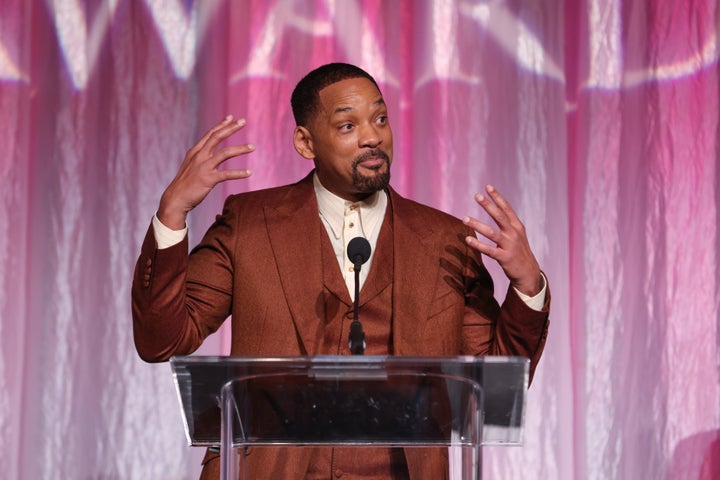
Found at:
(369, 136)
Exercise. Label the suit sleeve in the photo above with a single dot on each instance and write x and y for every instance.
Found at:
(512, 329)
(180, 299)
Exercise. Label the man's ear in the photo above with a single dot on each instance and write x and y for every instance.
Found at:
(302, 140)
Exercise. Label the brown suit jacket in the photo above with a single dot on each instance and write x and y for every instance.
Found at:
(259, 262)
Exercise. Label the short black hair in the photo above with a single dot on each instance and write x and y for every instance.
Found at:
(305, 99)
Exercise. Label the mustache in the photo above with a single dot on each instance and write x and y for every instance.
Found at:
(374, 153)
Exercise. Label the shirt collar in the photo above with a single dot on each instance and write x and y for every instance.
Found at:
(332, 208)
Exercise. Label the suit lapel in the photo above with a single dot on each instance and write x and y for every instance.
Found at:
(294, 230)
(415, 277)
(381, 271)
(332, 276)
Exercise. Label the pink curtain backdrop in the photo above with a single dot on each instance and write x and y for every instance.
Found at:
(597, 119)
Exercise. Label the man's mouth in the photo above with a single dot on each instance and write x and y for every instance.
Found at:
(373, 162)
(373, 159)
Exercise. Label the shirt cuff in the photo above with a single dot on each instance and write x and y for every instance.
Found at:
(537, 301)
(165, 237)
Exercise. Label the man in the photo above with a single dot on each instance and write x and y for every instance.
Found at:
(275, 260)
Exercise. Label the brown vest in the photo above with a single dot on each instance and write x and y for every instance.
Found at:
(376, 317)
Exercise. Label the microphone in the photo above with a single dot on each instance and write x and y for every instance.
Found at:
(358, 251)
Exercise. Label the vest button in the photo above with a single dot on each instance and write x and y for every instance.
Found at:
(338, 473)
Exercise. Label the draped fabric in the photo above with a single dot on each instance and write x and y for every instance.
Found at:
(596, 119)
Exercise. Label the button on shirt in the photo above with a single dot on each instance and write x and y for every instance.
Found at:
(346, 220)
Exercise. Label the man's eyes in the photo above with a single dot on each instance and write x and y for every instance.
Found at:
(346, 127)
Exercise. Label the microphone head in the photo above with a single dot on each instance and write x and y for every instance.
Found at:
(358, 250)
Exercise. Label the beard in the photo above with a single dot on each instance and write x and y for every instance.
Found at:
(371, 183)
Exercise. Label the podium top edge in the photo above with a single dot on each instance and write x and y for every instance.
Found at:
(347, 359)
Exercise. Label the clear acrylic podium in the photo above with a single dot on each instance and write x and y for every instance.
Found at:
(458, 402)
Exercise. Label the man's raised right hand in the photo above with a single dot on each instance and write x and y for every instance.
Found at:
(200, 172)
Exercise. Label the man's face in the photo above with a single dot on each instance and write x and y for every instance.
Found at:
(351, 139)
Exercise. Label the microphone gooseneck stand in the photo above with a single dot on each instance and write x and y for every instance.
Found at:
(358, 250)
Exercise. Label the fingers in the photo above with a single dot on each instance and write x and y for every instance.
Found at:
(229, 152)
(222, 131)
(507, 235)
(234, 174)
(199, 172)
(511, 250)
(489, 250)
(498, 208)
(203, 140)
(499, 200)
(202, 156)
(483, 229)
(498, 251)
(212, 138)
